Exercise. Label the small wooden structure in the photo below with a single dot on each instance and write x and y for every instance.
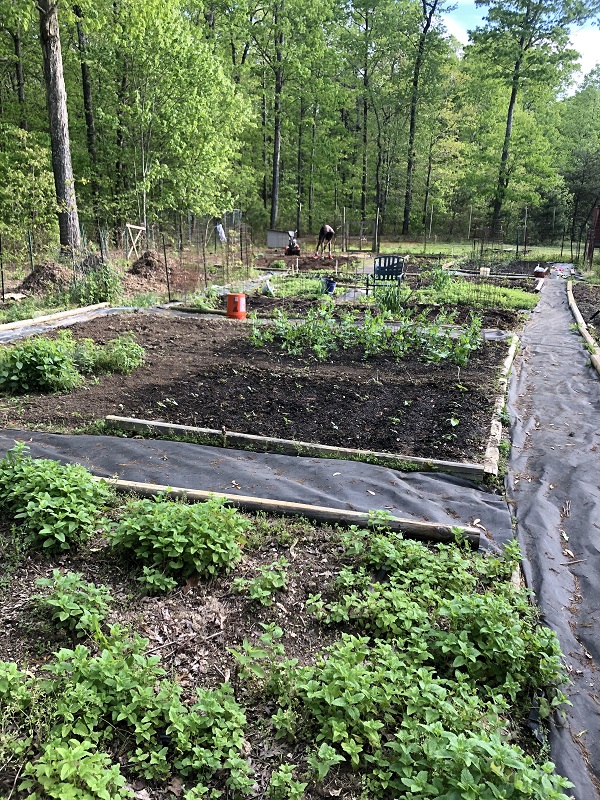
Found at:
(133, 239)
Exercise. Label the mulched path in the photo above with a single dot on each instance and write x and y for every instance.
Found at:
(206, 373)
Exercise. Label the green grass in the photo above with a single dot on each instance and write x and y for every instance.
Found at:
(477, 295)
(454, 249)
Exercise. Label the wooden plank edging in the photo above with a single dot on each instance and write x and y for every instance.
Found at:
(492, 453)
(582, 328)
(26, 323)
(225, 438)
(414, 529)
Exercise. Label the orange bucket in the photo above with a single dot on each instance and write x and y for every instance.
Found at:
(236, 306)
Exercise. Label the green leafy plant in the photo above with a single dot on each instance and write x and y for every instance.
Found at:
(271, 578)
(99, 285)
(57, 505)
(177, 539)
(38, 365)
(74, 604)
(282, 785)
(73, 770)
(50, 365)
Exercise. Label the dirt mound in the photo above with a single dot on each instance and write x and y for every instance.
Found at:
(148, 265)
(44, 277)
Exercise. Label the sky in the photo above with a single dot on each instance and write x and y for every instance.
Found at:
(585, 39)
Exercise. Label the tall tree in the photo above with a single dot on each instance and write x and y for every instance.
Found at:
(526, 41)
(56, 96)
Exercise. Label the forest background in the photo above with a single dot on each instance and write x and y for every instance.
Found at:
(293, 110)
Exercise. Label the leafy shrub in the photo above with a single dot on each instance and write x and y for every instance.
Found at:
(75, 605)
(99, 285)
(270, 579)
(52, 365)
(121, 355)
(73, 770)
(57, 505)
(177, 539)
(38, 365)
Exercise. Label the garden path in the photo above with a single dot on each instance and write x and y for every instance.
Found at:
(554, 484)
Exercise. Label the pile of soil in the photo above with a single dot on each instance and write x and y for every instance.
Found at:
(46, 277)
(149, 264)
(587, 297)
(206, 373)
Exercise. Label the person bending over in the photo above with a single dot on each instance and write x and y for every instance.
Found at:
(326, 235)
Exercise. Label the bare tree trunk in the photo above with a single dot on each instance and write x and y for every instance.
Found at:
(365, 122)
(279, 42)
(299, 183)
(311, 186)
(429, 9)
(16, 37)
(56, 96)
(503, 174)
(90, 123)
(265, 190)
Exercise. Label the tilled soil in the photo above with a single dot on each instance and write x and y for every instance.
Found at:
(587, 297)
(206, 373)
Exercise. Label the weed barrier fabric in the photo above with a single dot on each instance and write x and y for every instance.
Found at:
(554, 483)
(334, 483)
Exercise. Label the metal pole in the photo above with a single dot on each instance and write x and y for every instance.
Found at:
(525, 233)
(470, 218)
(431, 220)
(166, 268)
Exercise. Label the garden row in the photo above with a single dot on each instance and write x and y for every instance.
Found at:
(279, 659)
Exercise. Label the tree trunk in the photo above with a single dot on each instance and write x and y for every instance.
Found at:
(299, 166)
(265, 188)
(311, 186)
(428, 182)
(365, 122)
(86, 83)
(90, 123)
(16, 37)
(503, 173)
(279, 42)
(56, 96)
(428, 12)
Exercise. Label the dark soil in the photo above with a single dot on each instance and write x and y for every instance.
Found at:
(587, 297)
(46, 277)
(206, 373)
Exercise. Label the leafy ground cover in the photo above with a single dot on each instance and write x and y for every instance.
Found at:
(311, 662)
(207, 373)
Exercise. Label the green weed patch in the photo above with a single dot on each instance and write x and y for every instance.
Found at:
(40, 364)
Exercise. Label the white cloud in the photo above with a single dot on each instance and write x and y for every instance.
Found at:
(456, 29)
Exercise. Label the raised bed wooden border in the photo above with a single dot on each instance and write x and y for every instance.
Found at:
(582, 328)
(413, 529)
(26, 323)
(269, 444)
(492, 453)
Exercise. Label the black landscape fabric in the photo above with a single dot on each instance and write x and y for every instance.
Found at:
(333, 483)
(554, 481)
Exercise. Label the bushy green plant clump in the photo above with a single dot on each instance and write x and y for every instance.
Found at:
(74, 604)
(57, 505)
(28, 308)
(270, 579)
(421, 705)
(52, 365)
(321, 333)
(172, 539)
(100, 285)
(120, 695)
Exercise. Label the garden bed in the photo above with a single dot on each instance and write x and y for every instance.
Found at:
(206, 373)
(327, 663)
(587, 297)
